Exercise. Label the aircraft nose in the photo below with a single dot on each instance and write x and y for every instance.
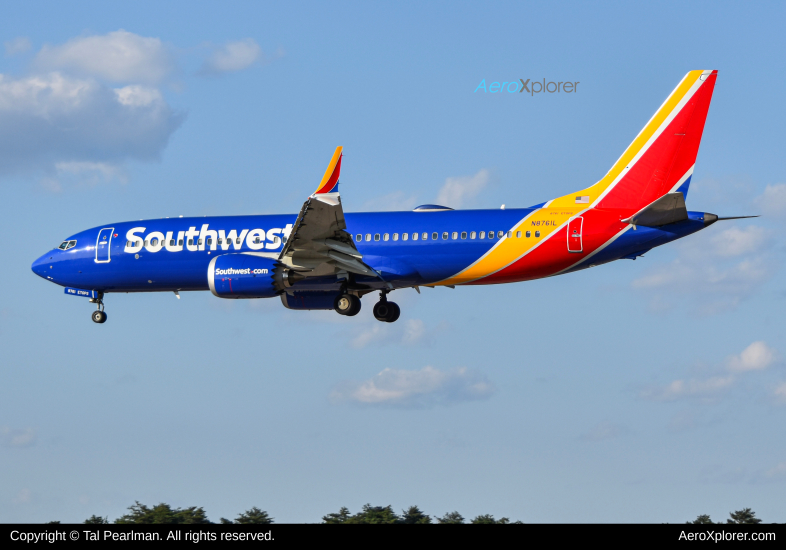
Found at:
(41, 265)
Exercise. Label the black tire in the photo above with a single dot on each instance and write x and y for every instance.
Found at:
(382, 310)
(347, 304)
(395, 312)
(99, 317)
(355, 306)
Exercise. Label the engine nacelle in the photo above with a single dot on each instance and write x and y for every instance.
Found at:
(242, 276)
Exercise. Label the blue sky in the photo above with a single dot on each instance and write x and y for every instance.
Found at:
(649, 391)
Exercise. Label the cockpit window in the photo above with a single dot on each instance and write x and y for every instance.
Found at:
(71, 244)
(65, 245)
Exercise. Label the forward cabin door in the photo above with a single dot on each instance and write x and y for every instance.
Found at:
(102, 245)
(575, 227)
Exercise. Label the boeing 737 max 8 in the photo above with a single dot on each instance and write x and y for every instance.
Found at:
(323, 258)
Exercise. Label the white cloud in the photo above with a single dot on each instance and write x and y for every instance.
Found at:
(456, 192)
(757, 356)
(58, 122)
(713, 271)
(416, 388)
(409, 333)
(780, 392)
(603, 431)
(395, 201)
(232, 57)
(10, 437)
(702, 388)
(24, 496)
(118, 56)
(773, 201)
(778, 471)
(736, 242)
(17, 46)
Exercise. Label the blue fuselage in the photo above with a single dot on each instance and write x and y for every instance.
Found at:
(174, 253)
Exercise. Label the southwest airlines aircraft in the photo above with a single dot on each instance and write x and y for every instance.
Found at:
(323, 258)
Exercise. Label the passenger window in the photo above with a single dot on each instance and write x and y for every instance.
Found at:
(472, 235)
(482, 234)
(425, 236)
(445, 236)
(463, 234)
(537, 233)
(434, 236)
(210, 241)
(386, 237)
(529, 234)
(518, 234)
(256, 241)
(395, 236)
(404, 236)
(376, 236)
(199, 242)
(358, 237)
(180, 242)
(510, 234)
(491, 234)
(220, 241)
(414, 236)
(368, 236)
(237, 241)
(455, 235)
(500, 234)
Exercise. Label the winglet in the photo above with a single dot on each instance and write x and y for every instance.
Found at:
(330, 179)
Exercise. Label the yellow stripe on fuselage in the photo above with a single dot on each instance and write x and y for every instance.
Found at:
(510, 249)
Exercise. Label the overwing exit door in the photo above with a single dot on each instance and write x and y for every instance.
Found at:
(575, 227)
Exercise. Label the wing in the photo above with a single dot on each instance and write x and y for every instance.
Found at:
(319, 245)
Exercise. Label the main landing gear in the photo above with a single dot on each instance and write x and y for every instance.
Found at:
(387, 312)
(347, 304)
(99, 316)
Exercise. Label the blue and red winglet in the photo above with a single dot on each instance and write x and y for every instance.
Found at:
(330, 179)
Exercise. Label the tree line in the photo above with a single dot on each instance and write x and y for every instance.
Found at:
(164, 514)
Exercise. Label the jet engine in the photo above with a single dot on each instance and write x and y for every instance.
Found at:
(242, 276)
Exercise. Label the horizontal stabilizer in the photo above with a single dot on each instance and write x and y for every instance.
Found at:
(670, 208)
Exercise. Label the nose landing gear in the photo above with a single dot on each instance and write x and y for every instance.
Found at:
(98, 315)
(387, 312)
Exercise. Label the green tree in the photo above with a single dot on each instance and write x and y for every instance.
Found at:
(255, 516)
(413, 515)
(452, 517)
(375, 515)
(342, 516)
(98, 520)
(701, 520)
(745, 515)
(163, 513)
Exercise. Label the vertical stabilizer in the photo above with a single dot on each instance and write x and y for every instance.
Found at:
(661, 158)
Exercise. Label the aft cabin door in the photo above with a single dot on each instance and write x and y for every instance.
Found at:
(575, 227)
(102, 245)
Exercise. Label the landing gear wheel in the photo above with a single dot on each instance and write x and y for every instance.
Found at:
(99, 316)
(387, 312)
(347, 304)
(395, 312)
